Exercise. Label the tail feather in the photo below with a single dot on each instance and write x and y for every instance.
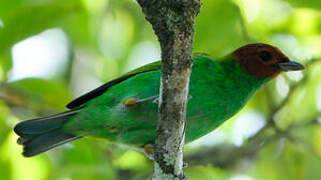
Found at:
(42, 134)
(43, 125)
(45, 142)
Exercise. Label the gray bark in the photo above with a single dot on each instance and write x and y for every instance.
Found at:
(173, 22)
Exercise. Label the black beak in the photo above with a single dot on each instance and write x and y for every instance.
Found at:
(289, 66)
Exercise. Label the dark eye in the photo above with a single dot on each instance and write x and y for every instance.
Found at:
(265, 55)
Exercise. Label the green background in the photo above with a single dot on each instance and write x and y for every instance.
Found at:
(277, 136)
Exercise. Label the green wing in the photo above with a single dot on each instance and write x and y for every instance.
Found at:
(100, 90)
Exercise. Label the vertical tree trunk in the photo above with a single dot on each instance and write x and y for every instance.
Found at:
(173, 22)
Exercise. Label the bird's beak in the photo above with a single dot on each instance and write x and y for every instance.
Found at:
(289, 66)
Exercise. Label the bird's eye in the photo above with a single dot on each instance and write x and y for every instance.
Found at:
(265, 55)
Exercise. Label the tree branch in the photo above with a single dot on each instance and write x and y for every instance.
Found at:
(173, 22)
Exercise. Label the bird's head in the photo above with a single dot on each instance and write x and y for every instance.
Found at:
(264, 60)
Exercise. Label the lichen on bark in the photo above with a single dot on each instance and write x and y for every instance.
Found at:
(173, 22)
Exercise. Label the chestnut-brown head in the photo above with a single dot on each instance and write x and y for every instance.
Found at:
(263, 60)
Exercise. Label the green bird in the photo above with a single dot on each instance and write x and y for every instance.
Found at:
(125, 110)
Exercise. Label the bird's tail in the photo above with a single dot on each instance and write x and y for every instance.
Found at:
(40, 135)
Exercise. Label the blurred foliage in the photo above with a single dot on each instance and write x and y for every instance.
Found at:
(277, 136)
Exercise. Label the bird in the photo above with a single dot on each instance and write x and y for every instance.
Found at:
(125, 110)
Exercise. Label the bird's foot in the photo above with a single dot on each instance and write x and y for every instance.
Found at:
(130, 102)
(185, 164)
(149, 151)
(133, 102)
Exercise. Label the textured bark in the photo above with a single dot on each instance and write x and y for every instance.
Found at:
(173, 22)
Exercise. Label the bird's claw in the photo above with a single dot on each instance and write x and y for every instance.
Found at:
(149, 151)
(134, 101)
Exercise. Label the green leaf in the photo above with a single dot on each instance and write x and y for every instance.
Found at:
(218, 28)
(42, 94)
(315, 4)
(206, 172)
(26, 21)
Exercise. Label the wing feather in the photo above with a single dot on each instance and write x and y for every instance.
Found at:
(103, 88)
